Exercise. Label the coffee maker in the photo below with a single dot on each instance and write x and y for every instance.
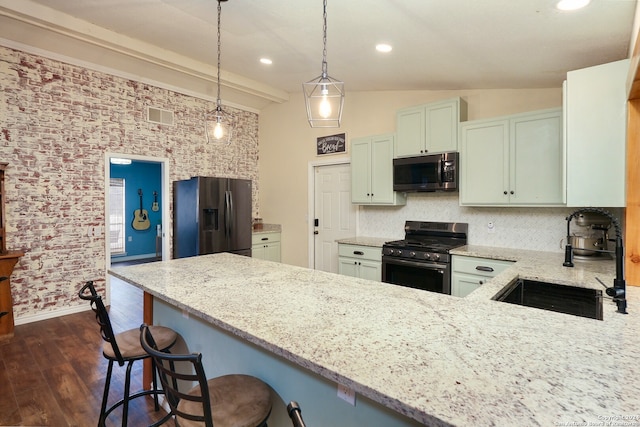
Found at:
(589, 236)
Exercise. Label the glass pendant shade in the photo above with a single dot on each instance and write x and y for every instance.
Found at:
(218, 126)
(324, 95)
(324, 98)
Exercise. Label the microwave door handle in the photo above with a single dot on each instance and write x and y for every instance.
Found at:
(439, 172)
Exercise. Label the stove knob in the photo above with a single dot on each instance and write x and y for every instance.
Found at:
(436, 257)
(412, 254)
(398, 252)
(427, 256)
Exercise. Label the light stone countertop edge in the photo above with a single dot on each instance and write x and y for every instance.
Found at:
(419, 346)
(375, 242)
(268, 228)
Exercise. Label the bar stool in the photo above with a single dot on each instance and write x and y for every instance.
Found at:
(227, 401)
(124, 347)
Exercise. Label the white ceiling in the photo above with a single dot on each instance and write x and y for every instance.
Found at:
(438, 44)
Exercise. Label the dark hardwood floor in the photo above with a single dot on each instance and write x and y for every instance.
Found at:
(52, 372)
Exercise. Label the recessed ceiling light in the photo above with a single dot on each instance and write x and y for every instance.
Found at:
(266, 61)
(383, 47)
(572, 4)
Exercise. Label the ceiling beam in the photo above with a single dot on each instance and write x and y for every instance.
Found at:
(49, 30)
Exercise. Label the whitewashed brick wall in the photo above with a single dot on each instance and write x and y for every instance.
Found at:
(56, 123)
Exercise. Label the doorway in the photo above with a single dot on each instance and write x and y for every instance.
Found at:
(160, 210)
(332, 215)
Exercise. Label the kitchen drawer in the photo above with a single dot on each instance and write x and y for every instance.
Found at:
(258, 238)
(479, 266)
(364, 252)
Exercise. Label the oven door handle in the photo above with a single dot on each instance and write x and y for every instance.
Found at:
(417, 264)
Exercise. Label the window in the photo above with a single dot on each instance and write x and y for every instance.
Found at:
(116, 216)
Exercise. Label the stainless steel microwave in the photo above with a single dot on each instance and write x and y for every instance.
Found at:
(432, 172)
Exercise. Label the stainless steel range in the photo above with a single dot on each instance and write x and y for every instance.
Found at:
(422, 259)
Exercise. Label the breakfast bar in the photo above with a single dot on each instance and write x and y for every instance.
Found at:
(412, 357)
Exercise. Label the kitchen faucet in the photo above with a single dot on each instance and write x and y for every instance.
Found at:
(618, 290)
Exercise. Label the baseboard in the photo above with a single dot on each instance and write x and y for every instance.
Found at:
(51, 314)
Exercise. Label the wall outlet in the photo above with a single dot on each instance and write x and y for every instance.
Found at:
(491, 227)
(346, 394)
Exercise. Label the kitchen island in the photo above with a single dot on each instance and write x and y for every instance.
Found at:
(412, 357)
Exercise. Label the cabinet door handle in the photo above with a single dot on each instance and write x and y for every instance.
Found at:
(505, 192)
(481, 282)
(358, 253)
(484, 268)
(265, 239)
(315, 232)
(512, 192)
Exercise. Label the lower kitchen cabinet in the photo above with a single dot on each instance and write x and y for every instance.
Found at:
(469, 273)
(364, 262)
(266, 246)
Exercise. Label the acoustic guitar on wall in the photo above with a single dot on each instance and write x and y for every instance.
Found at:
(154, 206)
(140, 216)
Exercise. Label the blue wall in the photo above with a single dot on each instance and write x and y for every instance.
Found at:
(224, 353)
(148, 177)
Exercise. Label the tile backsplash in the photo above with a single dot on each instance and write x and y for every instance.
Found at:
(540, 229)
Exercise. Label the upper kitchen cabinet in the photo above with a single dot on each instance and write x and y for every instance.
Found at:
(372, 171)
(429, 128)
(595, 107)
(515, 160)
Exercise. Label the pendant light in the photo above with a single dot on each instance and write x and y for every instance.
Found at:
(324, 95)
(218, 124)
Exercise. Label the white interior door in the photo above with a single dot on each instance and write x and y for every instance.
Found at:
(334, 213)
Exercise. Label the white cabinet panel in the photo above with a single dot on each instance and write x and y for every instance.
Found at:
(469, 273)
(537, 160)
(372, 171)
(484, 160)
(429, 128)
(266, 246)
(596, 113)
(514, 160)
(364, 262)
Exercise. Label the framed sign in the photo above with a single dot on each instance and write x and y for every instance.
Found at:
(332, 144)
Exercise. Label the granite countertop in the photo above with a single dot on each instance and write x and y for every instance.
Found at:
(268, 228)
(375, 242)
(538, 265)
(438, 359)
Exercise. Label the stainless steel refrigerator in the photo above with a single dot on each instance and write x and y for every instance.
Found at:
(211, 215)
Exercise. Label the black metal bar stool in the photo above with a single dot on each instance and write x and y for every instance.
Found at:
(124, 347)
(227, 401)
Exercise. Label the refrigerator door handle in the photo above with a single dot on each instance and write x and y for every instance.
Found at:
(231, 213)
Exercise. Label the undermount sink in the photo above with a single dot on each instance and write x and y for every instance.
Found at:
(583, 302)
